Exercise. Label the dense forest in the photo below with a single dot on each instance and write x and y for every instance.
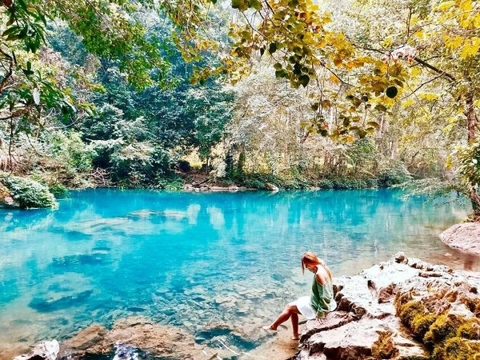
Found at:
(295, 93)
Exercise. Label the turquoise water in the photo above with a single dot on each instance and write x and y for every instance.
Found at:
(191, 260)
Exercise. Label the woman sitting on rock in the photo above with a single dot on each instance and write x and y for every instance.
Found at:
(318, 304)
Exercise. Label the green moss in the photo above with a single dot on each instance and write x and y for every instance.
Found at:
(421, 324)
(384, 348)
(457, 349)
(416, 316)
(470, 329)
(400, 300)
(444, 327)
(448, 335)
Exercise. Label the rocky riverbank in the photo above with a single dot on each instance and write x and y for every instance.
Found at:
(400, 309)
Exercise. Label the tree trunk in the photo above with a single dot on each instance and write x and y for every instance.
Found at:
(471, 117)
(471, 129)
(475, 199)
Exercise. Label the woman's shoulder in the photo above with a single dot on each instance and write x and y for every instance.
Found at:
(321, 275)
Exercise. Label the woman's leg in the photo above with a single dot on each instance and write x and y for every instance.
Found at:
(290, 311)
(294, 318)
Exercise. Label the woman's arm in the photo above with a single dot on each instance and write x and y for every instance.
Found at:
(321, 275)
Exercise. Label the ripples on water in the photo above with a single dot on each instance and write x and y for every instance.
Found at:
(196, 260)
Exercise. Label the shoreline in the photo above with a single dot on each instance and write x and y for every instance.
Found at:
(277, 346)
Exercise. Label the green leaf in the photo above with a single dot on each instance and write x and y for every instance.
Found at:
(255, 4)
(11, 30)
(391, 92)
(282, 73)
(304, 80)
(297, 69)
(239, 4)
(272, 47)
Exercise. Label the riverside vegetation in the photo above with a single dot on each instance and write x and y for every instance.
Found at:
(254, 93)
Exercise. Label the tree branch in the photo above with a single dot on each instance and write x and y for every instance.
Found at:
(9, 73)
(438, 71)
(422, 85)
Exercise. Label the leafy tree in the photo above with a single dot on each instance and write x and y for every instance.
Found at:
(420, 57)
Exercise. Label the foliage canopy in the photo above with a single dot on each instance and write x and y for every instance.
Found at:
(413, 65)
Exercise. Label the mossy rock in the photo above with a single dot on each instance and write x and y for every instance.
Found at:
(416, 317)
(470, 329)
(28, 193)
(384, 347)
(444, 327)
(473, 304)
(457, 349)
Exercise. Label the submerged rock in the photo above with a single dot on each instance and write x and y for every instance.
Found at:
(135, 338)
(401, 309)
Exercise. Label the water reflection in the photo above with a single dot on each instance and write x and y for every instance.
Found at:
(193, 260)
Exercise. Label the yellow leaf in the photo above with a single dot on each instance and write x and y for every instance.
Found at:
(414, 20)
(334, 79)
(307, 38)
(387, 42)
(445, 5)
(419, 34)
(408, 103)
(415, 71)
(454, 42)
(428, 96)
(466, 5)
(337, 61)
(470, 48)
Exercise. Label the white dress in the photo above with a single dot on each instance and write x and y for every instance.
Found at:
(305, 308)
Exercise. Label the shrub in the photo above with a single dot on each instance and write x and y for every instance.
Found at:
(28, 193)
(392, 173)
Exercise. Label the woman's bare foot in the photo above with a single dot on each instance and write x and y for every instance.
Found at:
(269, 328)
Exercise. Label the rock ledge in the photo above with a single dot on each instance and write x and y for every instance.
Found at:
(400, 309)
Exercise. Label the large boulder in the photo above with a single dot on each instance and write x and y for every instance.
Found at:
(464, 237)
(400, 309)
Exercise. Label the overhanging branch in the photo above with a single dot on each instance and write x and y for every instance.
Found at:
(437, 70)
